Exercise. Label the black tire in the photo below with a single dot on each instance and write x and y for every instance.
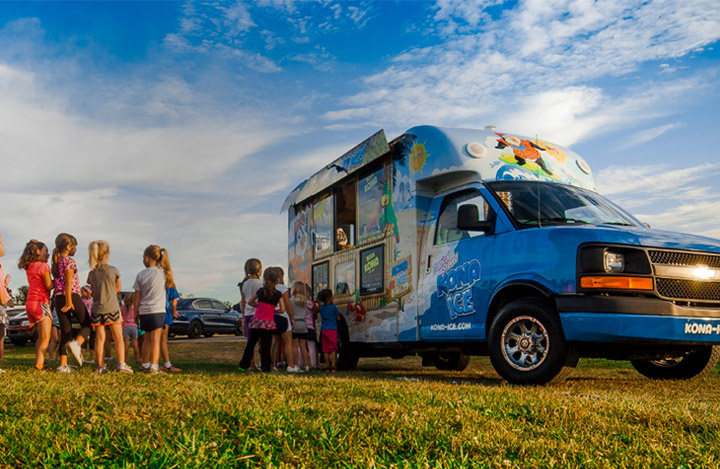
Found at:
(527, 345)
(451, 361)
(347, 356)
(239, 329)
(692, 364)
(195, 329)
(19, 342)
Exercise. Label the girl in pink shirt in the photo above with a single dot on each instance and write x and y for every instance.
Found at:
(4, 300)
(34, 261)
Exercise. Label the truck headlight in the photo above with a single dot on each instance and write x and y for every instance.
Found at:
(25, 323)
(613, 261)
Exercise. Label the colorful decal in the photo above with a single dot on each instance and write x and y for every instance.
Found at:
(524, 152)
(345, 278)
(300, 247)
(371, 216)
(400, 282)
(445, 263)
(418, 154)
(389, 218)
(456, 285)
(323, 226)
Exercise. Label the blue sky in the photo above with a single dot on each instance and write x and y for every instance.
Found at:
(185, 124)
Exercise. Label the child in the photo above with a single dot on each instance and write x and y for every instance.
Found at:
(311, 311)
(264, 300)
(89, 345)
(330, 316)
(250, 284)
(104, 279)
(67, 300)
(150, 301)
(284, 321)
(130, 330)
(171, 297)
(53, 352)
(300, 330)
(5, 300)
(34, 261)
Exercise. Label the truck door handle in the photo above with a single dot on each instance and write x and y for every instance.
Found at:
(429, 263)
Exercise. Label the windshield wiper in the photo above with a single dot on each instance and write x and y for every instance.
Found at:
(616, 223)
(558, 220)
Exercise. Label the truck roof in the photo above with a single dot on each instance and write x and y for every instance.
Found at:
(434, 151)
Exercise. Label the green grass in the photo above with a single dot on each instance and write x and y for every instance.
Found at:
(390, 413)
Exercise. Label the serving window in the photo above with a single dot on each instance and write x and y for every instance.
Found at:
(345, 215)
(320, 277)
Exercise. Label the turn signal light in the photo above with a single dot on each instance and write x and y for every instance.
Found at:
(617, 283)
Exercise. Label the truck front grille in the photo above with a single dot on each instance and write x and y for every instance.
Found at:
(690, 290)
(684, 258)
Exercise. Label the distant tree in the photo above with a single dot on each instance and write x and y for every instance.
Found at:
(22, 294)
(228, 304)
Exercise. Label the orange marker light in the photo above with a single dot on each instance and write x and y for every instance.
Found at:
(617, 283)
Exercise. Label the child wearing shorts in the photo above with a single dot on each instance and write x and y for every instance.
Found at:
(330, 316)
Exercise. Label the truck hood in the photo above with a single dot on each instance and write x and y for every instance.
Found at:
(654, 238)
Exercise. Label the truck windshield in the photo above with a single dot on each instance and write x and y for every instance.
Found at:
(532, 203)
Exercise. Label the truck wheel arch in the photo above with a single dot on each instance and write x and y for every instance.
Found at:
(511, 291)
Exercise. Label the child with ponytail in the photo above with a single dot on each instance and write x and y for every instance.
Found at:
(37, 306)
(262, 325)
(150, 301)
(67, 300)
(104, 280)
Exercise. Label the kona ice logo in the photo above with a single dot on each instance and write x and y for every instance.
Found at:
(456, 286)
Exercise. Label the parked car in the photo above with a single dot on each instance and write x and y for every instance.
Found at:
(19, 331)
(205, 316)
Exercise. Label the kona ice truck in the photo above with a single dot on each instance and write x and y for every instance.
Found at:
(448, 243)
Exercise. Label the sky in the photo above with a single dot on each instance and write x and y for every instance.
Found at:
(185, 124)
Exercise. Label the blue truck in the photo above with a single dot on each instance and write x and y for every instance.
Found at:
(448, 243)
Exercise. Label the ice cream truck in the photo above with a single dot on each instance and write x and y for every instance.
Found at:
(447, 243)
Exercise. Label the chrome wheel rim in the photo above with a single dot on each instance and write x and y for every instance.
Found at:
(525, 343)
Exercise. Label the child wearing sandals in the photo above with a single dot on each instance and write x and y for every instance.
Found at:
(330, 316)
(104, 279)
(34, 261)
(263, 323)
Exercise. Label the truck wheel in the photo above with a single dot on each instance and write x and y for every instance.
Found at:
(689, 365)
(239, 330)
(195, 329)
(451, 361)
(527, 346)
(347, 355)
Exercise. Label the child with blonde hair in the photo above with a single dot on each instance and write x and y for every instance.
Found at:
(250, 284)
(37, 306)
(104, 279)
(300, 331)
(5, 300)
(150, 303)
(67, 300)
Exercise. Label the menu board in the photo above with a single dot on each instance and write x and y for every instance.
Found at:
(370, 216)
(372, 270)
(323, 226)
(345, 278)
(400, 282)
(320, 278)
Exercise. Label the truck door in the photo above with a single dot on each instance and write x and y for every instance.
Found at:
(455, 277)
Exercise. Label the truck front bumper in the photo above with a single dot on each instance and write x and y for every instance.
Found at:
(629, 319)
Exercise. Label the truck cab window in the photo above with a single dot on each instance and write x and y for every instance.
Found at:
(345, 216)
(447, 230)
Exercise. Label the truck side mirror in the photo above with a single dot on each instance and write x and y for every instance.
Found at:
(469, 220)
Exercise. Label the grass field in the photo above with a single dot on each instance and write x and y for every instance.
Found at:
(389, 413)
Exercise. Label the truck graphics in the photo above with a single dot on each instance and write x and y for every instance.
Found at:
(458, 242)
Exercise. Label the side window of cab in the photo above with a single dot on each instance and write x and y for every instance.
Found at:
(446, 230)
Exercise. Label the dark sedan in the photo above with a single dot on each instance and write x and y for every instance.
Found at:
(19, 330)
(205, 316)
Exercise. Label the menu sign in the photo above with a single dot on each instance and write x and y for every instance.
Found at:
(400, 282)
(320, 277)
(372, 270)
